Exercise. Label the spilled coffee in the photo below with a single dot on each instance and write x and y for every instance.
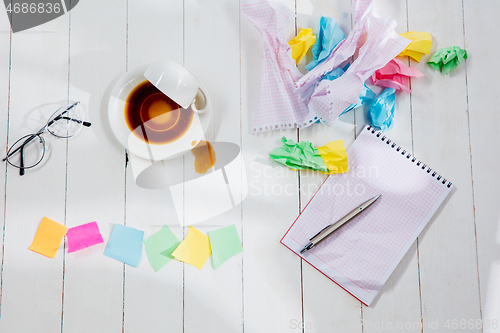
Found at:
(204, 156)
(153, 117)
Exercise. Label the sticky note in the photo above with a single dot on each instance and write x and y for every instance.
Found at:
(159, 247)
(83, 236)
(125, 245)
(381, 112)
(225, 243)
(300, 155)
(48, 237)
(302, 43)
(335, 156)
(194, 249)
(420, 45)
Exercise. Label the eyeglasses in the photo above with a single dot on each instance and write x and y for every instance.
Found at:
(28, 151)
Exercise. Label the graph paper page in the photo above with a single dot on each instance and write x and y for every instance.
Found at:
(362, 254)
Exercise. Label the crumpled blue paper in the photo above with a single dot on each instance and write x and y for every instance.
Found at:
(367, 95)
(329, 36)
(381, 112)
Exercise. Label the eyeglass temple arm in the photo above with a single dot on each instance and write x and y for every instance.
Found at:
(84, 123)
(21, 170)
(28, 140)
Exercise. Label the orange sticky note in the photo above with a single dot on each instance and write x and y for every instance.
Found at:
(48, 237)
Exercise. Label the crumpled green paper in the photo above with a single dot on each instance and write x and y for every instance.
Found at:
(447, 59)
(298, 156)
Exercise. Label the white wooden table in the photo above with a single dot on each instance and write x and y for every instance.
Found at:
(448, 281)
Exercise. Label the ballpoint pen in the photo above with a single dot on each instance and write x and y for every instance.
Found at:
(329, 229)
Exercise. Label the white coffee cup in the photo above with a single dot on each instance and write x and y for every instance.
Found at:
(175, 81)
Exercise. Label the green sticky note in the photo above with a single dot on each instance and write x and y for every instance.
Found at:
(447, 59)
(300, 155)
(225, 243)
(159, 247)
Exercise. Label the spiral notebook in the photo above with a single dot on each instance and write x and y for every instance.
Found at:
(361, 255)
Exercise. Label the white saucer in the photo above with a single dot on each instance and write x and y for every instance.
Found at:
(116, 115)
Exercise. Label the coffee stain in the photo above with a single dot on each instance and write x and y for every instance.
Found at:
(204, 157)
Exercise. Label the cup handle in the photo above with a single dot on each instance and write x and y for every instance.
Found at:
(205, 107)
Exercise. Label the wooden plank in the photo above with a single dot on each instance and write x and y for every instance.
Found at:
(398, 304)
(321, 296)
(447, 247)
(93, 283)
(271, 274)
(5, 37)
(404, 282)
(479, 17)
(213, 298)
(153, 301)
(32, 284)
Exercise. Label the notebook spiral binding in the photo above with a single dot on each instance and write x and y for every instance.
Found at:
(379, 134)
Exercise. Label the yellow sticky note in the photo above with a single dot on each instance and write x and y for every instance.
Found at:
(422, 42)
(334, 156)
(195, 249)
(302, 43)
(48, 237)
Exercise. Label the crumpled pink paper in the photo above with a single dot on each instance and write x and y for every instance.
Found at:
(395, 75)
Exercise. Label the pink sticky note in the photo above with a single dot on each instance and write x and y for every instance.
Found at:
(83, 236)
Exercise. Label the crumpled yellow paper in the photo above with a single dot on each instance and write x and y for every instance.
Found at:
(335, 157)
(421, 44)
(302, 43)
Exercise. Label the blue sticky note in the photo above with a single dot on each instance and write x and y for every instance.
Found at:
(381, 112)
(125, 245)
(329, 36)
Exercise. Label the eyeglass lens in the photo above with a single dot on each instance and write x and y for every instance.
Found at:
(66, 121)
(31, 149)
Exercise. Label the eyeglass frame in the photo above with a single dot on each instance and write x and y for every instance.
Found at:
(38, 134)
